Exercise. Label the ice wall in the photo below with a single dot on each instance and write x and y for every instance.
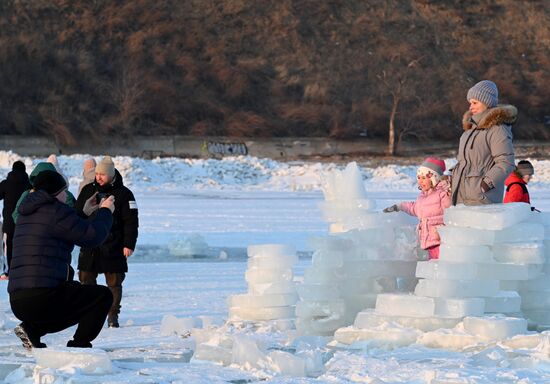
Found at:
(367, 253)
(484, 249)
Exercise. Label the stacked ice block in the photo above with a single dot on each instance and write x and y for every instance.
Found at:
(535, 293)
(368, 253)
(481, 247)
(271, 290)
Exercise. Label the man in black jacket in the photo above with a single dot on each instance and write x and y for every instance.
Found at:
(110, 257)
(11, 190)
(42, 292)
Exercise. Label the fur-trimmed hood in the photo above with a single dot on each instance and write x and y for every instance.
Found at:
(501, 114)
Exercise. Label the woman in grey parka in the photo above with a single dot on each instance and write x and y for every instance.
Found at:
(485, 153)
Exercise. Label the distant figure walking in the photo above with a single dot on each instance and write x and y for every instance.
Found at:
(11, 190)
(485, 153)
(434, 198)
(42, 292)
(516, 183)
(110, 257)
(88, 173)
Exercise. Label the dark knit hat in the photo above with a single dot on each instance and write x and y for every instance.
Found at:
(18, 166)
(485, 91)
(525, 167)
(50, 181)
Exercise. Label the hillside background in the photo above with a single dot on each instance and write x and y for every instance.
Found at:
(95, 69)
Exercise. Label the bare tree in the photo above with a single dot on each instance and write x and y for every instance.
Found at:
(126, 95)
(395, 81)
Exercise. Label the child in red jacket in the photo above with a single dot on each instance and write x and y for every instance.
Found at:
(516, 183)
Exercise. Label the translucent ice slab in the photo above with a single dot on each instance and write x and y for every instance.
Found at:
(495, 327)
(329, 259)
(215, 353)
(272, 261)
(443, 270)
(472, 271)
(315, 309)
(450, 339)
(457, 288)
(528, 253)
(490, 216)
(503, 302)
(262, 275)
(376, 268)
(463, 236)
(271, 249)
(508, 271)
(260, 314)
(277, 287)
(288, 364)
(465, 253)
(540, 284)
(540, 317)
(521, 233)
(420, 306)
(369, 318)
(322, 275)
(532, 300)
(322, 326)
(318, 292)
(373, 284)
(260, 301)
(404, 305)
(384, 336)
(90, 361)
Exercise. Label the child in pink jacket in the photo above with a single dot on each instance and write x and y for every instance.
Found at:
(433, 199)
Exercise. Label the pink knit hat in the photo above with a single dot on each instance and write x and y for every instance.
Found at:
(432, 168)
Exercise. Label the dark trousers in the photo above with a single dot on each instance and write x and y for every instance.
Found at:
(50, 310)
(114, 282)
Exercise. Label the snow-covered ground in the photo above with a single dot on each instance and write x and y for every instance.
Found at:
(230, 204)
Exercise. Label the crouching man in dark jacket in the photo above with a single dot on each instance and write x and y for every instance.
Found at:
(42, 292)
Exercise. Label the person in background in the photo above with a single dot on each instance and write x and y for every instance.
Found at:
(42, 292)
(11, 190)
(52, 159)
(88, 173)
(110, 257)
(434, 198)
(42, 166)
(516, 183)
(485, 153)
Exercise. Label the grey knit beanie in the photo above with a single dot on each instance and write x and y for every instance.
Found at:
(485, 91)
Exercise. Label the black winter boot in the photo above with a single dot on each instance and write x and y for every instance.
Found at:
(79, 344)
(29, 341)
(112, 317)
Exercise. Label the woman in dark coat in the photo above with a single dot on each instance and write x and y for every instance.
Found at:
(42, 292)
(110, 258)
(11, 190)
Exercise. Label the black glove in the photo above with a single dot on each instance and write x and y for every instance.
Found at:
(393, 208)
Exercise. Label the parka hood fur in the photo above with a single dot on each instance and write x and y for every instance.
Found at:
(501, 114)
